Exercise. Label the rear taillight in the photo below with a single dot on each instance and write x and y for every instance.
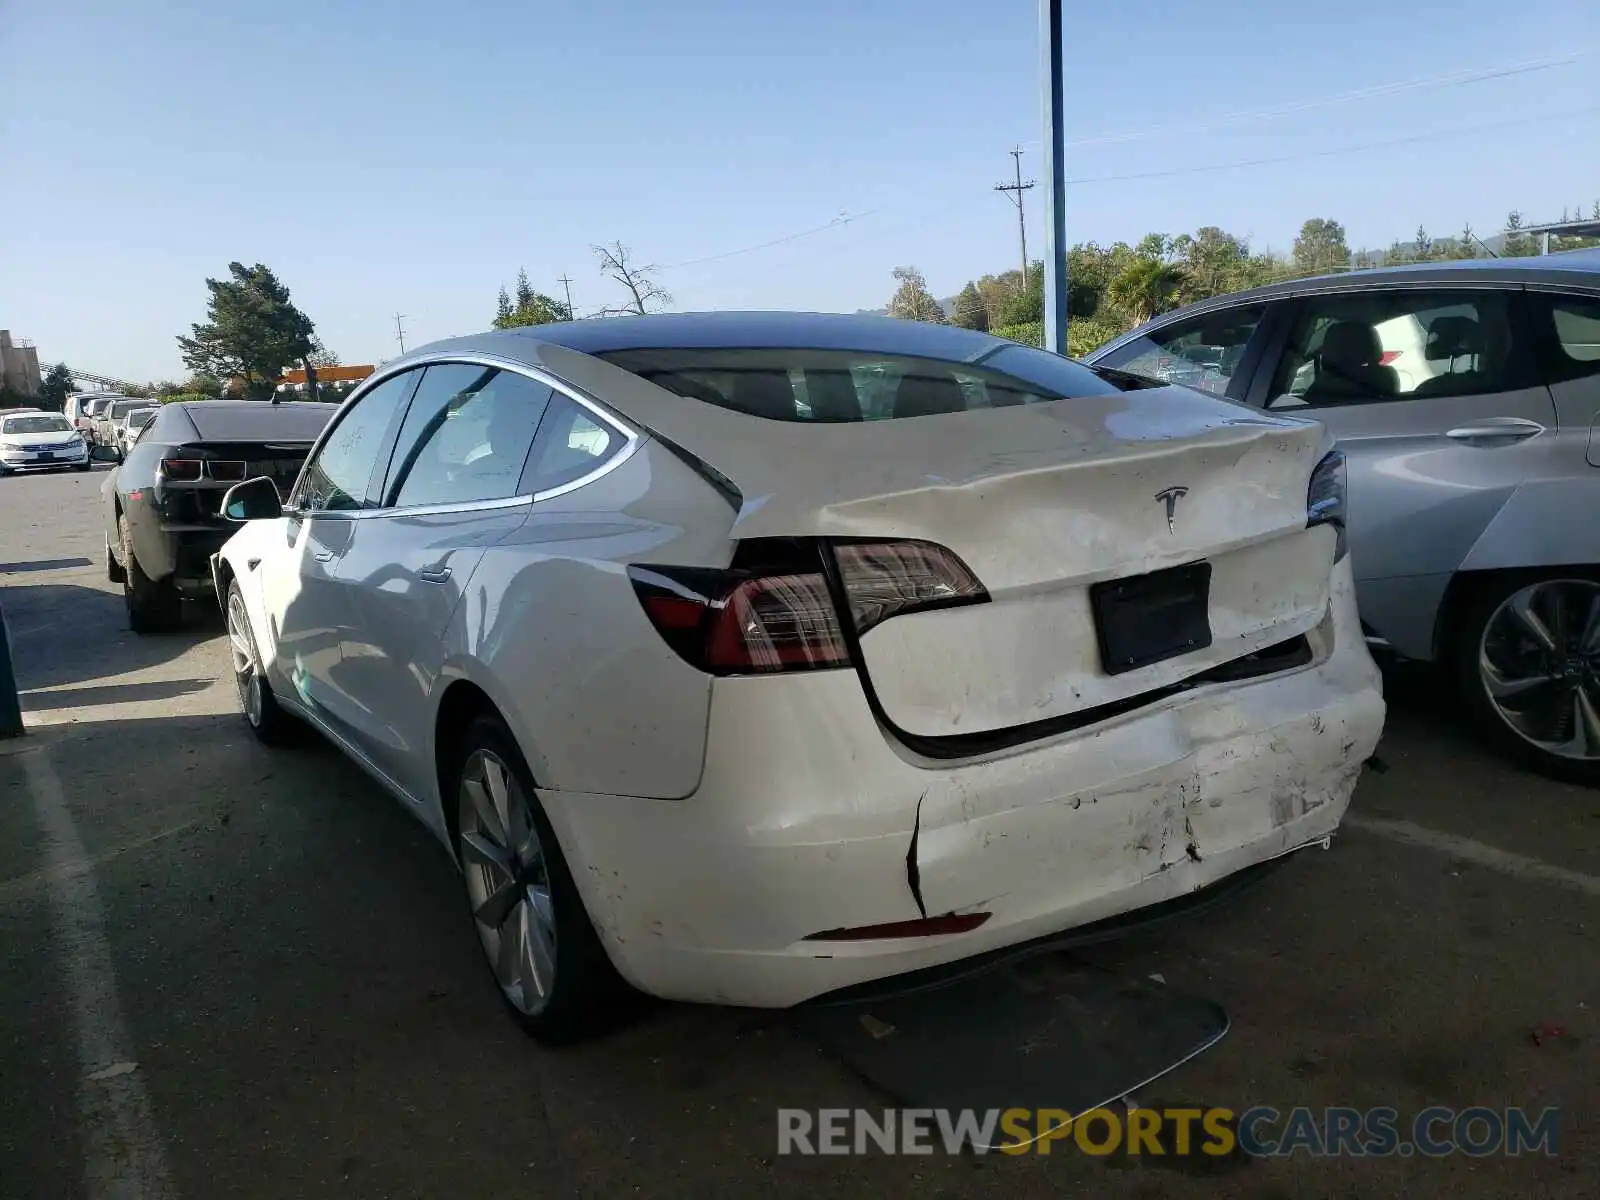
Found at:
(180, 470)
(775, 611)
(1326, 499)
(742, 622)
(225, 470)
(883, 579)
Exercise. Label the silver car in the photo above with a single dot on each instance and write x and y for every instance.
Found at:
(749, 656)
(1465, 397)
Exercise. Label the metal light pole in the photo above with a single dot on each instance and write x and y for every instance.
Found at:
(1055, 178)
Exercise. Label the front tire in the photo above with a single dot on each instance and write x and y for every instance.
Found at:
(1526, 657)
(153, 605)
(540, 946)
(259, 706)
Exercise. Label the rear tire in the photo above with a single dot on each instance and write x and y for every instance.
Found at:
(1525, 657)
(553, 974)
(259, 706)
(84, 465)
(153, 605)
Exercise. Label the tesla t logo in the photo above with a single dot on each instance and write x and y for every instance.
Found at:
(1170, 497)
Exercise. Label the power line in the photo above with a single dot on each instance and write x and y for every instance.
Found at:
(567, 284)
(1449, 79)
(400, 331)
(1520, 122)
(1014, 192)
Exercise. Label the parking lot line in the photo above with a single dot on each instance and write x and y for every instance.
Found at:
(123, 1156)
(1477, 853)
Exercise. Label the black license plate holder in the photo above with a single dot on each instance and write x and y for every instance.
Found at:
(1145, 619)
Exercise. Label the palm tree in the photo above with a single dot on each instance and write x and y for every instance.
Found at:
(1146, 287)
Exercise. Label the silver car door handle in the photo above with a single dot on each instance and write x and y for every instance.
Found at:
(322, 555)
(1497, 429)
(434, 574)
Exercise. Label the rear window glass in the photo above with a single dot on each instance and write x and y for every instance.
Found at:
(292, 422)
(853, 385)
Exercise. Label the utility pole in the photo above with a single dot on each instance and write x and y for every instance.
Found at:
(567, 284)
(400, 331)
(1014, 191)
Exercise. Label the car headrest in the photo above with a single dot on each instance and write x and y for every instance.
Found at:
(1351, 344)
(765, 394)
(1449, 337)
(924, 395)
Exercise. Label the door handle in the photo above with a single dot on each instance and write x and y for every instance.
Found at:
(322, 555)
(434, 574)
(1497, 429)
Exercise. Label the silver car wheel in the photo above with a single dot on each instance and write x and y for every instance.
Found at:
(508, 881)
(245, 676)
(1539, 661)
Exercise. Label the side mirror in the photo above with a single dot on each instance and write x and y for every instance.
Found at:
(253, 500)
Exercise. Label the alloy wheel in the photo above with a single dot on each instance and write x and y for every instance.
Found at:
(508, 881)
(245, 677)
(1539, 662)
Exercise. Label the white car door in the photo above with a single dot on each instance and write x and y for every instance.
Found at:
(303, 606)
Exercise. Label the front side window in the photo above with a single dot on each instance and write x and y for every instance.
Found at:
(466, 436)
(1201, 352)
(810, 385)
(338, 478)
(1400, 345)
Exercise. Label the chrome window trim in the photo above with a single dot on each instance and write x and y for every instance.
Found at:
(632, 439)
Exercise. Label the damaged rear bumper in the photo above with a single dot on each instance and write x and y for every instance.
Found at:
(809, 818)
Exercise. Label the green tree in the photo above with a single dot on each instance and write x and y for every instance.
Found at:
(1146, 288)
(1517, 244)
(1320, 247)
(253, 330)
(321, 356)
(912, 301)
(55, 387)
(969, 312)
(1424, 245)
(502, 308)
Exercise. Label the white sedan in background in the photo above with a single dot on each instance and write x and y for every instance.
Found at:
(32, 440)
(745, 657)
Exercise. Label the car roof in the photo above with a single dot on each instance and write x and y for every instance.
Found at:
(1570, 268)
(861, 332)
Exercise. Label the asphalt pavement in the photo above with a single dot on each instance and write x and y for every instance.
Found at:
(230, 971)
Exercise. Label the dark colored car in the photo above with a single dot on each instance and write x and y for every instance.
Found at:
(161, 504)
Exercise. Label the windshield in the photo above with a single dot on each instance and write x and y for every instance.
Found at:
(813, 385)
(122, 408)
(43, 423)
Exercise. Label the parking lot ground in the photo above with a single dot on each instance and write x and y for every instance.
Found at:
(230, 971)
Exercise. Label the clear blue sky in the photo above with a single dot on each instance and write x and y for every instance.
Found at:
(408, 157)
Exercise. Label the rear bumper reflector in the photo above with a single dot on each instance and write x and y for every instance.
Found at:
(924, 927)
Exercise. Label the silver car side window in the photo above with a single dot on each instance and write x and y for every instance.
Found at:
(337, 479)
(1203, 352)
(466, 436)
(1382, 346)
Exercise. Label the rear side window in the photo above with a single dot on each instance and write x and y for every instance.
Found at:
(1577, 329)
(572, 442)
(809, 385)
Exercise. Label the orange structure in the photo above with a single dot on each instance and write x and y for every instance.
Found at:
(329, 374)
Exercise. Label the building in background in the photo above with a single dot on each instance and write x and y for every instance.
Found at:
(19, 365)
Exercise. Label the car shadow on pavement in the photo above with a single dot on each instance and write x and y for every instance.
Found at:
(113, 693)
(43, 564)
(66, 633)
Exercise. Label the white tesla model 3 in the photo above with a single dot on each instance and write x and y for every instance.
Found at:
(750, 656)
